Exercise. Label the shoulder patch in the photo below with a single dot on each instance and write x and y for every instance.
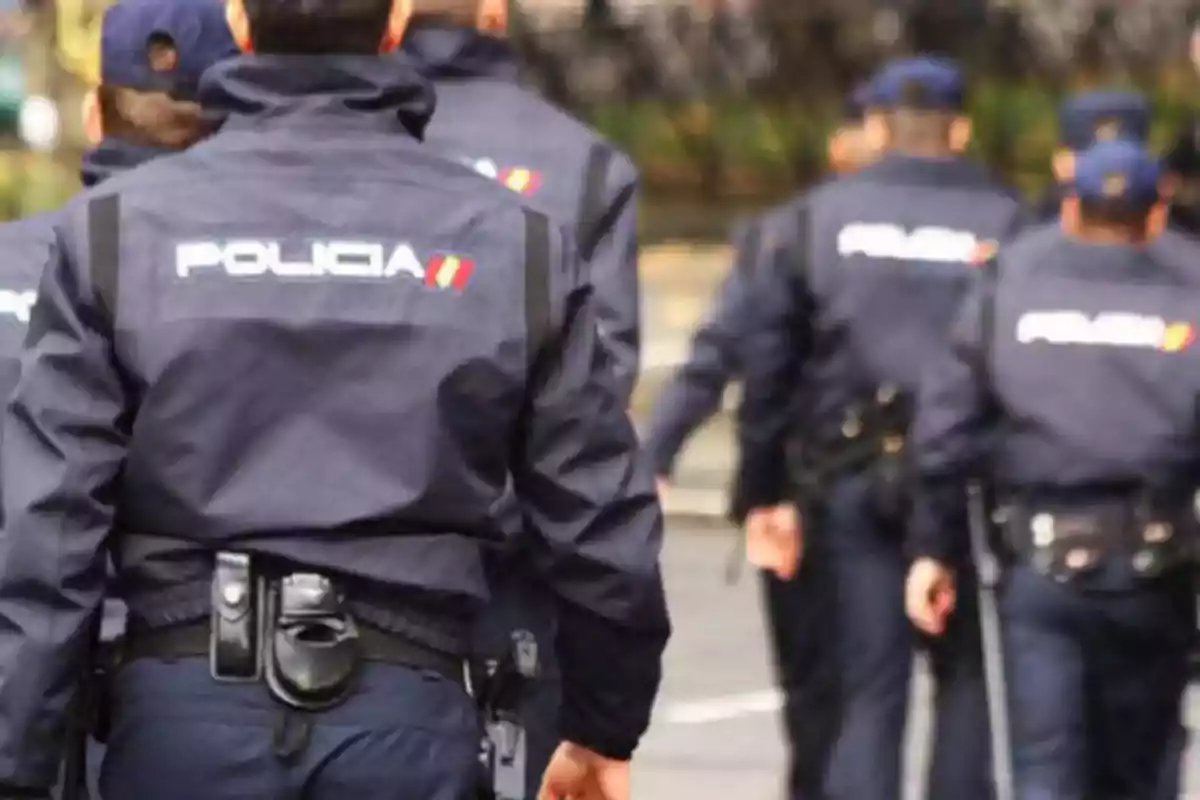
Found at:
(984, 252)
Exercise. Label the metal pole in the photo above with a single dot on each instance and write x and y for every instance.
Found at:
(988, 568)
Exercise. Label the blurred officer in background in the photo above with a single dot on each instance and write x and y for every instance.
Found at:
(1072, 390)
(1084, 119)
(1182, 160)
(152, 54)
(285, 378)
(846, 313)
(489, 121)
(797, 609)
(695, 391)
(151, 58)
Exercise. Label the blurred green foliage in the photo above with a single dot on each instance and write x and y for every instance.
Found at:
(32, 182)
(737, 150)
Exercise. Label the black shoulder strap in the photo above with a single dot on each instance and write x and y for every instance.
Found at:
(591, 202)
(989, 273)
(804, 257)
(750, 248)
(537, 283)
(104, 251)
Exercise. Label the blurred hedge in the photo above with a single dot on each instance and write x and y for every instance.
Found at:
(729, 148)
(723, 112)
(737, 108)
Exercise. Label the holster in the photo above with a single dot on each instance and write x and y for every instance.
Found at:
(1064, 543)
(99, 693)
(292, 631)
(873, 441)
(311, 657)
(501, 685)
(88, 715)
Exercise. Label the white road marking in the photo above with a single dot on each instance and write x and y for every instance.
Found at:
(721, 709)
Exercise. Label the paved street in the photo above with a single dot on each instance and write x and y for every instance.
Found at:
(714, 737)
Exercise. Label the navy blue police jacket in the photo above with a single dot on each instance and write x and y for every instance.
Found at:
(306, 339)
(859, 283)
(1074, 372)
(29, 245)
(694, 392)
(488, 120)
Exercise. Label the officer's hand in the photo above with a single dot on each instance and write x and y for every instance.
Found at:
(929, 595)
(663, 483)
(576, 773)
(775, 540)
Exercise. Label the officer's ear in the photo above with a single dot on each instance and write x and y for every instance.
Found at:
(1168, 186)
(960, 134)
(1063, 165)
(397, 24)
(1069, 217)
(875, 131)
(93, 119)
(837, 151)
(1156, 220)
(239, 25)
(493, 17)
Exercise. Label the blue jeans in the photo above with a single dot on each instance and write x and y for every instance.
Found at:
(876, 645)
(1097, 674)
(404, 735)
(520, 603)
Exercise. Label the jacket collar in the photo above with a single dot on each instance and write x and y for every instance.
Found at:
(379, 91)
(114, 156)
(949, 171)
(443, 52)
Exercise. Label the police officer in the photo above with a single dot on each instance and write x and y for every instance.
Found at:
(797, 609)
(695, 391)
(1083, 119)
(488, 120)
(285, 378)
(1079, 369)
(846, 314)
(151, 56)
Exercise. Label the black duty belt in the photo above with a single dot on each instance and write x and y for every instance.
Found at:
(194, 640)
(1066, 541)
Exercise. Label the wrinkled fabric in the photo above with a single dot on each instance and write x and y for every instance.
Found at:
(360, 423)
(487, 120)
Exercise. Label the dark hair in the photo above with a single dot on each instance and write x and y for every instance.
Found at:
(910, 128)
(912, 124)
(1116, 214)
(339, 27)
(152, 118)
(453, 13)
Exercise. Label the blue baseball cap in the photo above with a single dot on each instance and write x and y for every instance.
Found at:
(1117, 172)
(196, 29)
(1101, 115)
(924, 82)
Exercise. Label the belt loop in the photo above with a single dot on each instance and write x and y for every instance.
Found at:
(292, 735)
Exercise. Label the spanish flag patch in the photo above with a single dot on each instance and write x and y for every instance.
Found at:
(521, 180)
(448, 272)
